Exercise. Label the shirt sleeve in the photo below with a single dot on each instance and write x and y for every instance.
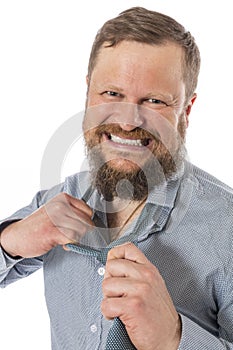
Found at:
(194, 337)
(12, 269)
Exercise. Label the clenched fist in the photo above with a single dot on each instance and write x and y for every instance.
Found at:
(134, 291)
(63, 219)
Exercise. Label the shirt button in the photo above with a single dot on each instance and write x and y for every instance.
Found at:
(93, 328)
(101, 271)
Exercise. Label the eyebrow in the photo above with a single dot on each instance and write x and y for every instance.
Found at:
(112, 87)
(159, 95)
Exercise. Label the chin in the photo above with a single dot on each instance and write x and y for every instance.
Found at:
(123, 165)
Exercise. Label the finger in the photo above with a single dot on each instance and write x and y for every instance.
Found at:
(74, 236)
(64, 206)
(115, 307)
(61, 217)
(81, 211)
(78, 204)
(120, 287)
(127, 251)
(80, 216)
(81, 205)
(124, 268)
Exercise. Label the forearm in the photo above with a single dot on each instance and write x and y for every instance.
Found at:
(12, 269)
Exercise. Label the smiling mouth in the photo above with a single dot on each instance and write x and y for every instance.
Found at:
(129, 142)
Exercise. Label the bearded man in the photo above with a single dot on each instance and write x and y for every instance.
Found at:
(136, 252)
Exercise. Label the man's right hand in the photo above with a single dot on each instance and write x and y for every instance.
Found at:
(63, 219)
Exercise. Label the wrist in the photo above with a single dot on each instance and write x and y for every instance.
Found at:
(174, 343)
(178, 333)
(4, 243)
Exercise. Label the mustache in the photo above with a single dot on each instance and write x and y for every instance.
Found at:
(136, 133)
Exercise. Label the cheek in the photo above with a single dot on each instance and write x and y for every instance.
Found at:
(91, 139)
(93, 98)
(172, 117)
(163, 126)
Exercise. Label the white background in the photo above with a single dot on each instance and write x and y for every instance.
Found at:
(44, 49)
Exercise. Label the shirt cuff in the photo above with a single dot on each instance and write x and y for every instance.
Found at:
(7, 261)
(195, 337)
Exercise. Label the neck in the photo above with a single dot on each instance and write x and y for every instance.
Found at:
(122, 213)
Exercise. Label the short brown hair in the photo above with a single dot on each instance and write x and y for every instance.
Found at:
(154, 28)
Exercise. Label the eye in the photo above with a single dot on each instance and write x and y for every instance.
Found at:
(112, 93)
(156, 101)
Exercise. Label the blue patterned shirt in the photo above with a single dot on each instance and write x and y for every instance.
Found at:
(185, 230)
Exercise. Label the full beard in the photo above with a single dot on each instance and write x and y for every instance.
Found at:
(133, 184)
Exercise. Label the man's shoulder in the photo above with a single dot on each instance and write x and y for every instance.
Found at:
(210, 184)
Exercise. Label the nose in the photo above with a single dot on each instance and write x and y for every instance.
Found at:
(130, 117)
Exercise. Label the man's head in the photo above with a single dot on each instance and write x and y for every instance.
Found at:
(141, 79)
(153, 28)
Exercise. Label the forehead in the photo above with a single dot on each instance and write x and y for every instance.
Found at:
(134, 57)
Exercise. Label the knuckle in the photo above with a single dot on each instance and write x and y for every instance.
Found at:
(64, 195)
(58, 206)
(143, 288)
(151, 274)
(104, 306)
(109, 264)
(148, 274)
(54, 206)
(105, 284)
(82, 229)
(136, 303)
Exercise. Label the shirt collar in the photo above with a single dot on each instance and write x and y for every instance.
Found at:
(160, 201)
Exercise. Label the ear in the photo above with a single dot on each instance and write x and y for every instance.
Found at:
(189, 107)
(87, 82)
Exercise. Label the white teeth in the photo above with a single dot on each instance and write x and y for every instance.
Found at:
(118, 139)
